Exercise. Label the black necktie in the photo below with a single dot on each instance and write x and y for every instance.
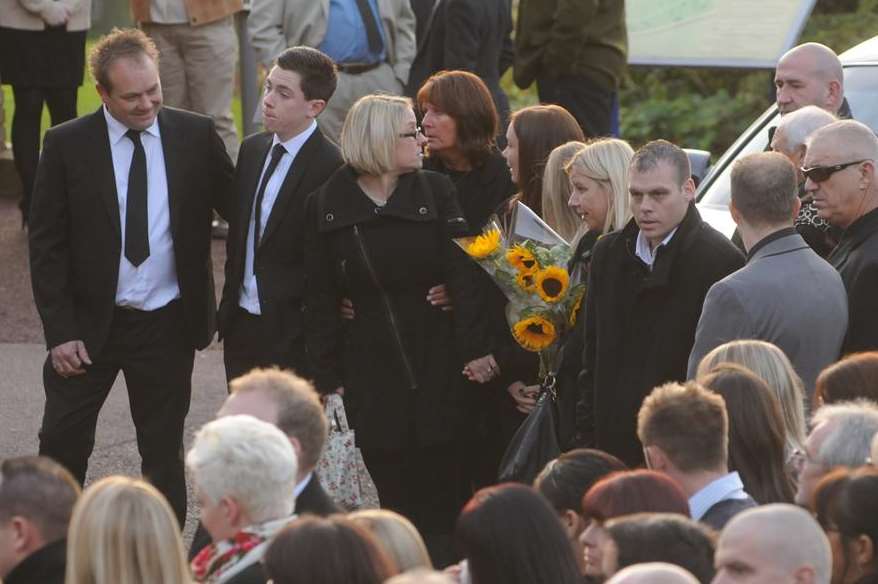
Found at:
(372, 34)
(136, 214)
(276, 154)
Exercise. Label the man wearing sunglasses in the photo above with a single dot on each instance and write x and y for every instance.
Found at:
(839, 170)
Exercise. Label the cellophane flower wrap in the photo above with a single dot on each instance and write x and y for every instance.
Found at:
(528, 261)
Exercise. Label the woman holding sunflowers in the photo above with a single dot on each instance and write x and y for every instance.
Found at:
(380, 233)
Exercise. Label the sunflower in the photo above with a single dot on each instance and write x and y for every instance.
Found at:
(525, 281)
(574, 310)
(522, 259)
(484, 245)
(552, 283)
(534, 333)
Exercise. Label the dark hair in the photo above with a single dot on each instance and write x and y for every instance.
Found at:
(634, 491)
(689, 423)
(509, 534)
(664, 537)
(756, 432)
(121, 43)
(540, 129)
(565, 480)
(854, 377)
(317, 71)
(40, 490)
(764, 188)
(326, 550)
(847, 500)
(652, 153)
(465, 98)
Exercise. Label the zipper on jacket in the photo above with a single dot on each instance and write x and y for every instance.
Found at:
(413, 384)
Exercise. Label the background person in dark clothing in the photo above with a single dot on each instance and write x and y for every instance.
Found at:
(37, 496)
(467, 35)
(42, 56)
(646, 288)
(575, 50)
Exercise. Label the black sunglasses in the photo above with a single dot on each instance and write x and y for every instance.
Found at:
(819, 174)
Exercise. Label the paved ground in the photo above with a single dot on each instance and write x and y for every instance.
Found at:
(21, 358)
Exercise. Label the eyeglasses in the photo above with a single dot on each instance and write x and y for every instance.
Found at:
(819, 174)
(414, 134)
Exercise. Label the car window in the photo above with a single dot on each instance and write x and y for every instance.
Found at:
(861, 90)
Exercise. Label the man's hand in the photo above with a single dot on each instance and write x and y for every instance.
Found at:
(482, 369)
(525, 396)
(68, 358)
(438, 296)
(55, 14)
(346, 309)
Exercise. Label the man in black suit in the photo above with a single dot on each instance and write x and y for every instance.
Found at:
(292, 404)
(120, 261)
(261, 310)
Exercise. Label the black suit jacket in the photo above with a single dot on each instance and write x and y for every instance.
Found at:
(75, 231)
(279, 260)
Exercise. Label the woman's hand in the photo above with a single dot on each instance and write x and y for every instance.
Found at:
(525, 396)
(438, 296)
(482, 370)
(346, 309)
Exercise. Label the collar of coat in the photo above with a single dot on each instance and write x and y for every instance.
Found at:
(860, 230)
(686, 235)
(343, 203)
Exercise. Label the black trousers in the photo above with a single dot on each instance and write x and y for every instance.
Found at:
(253, 341)
(152, 351)
(592, 106)
(26, 129)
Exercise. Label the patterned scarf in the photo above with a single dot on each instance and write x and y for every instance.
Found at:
(220, 561)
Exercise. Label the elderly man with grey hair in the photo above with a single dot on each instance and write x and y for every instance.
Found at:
(839, 169)
(244, 472)
(773, 544)
(653, 573)
(789, 139)
(841, 436)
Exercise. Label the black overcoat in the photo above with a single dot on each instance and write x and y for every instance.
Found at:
(640, 324)
(400, 358)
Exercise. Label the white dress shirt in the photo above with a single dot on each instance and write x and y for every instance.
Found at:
(249, 287)
(154, 283)
(645, 252)
(726, 487)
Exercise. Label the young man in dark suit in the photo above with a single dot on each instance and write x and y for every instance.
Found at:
(290, 403)
(120, 261)
(261, 310)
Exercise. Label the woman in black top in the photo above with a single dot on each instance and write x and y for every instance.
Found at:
(380, 232)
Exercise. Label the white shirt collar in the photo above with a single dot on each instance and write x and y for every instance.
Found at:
(728, 486)
(117, 129)
(643, 251)
(302, 485)
(294, 144)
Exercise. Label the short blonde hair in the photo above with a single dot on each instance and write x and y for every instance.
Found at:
(397, 536)
(123, 531)
(556, 192)
(768, 362)
(371, 131)
(607, 161)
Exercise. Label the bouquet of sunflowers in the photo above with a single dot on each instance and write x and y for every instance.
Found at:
(528, 261)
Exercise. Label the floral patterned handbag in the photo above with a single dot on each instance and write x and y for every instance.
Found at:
(341, 469)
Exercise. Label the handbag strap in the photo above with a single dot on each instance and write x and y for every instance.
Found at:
(335, 411)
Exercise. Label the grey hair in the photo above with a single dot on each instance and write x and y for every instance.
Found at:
(855, 424)
(797, 126)
(248, 460)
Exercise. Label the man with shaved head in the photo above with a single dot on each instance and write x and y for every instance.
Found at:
(653, 573)
(839, 169)
(773, 544)
(810, 74)
(789, 139)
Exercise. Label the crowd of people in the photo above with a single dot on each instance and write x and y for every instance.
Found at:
(716, 401)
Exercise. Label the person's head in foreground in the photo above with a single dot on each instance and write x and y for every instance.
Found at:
(509, 534)
(397, 536)
(773, 544)
(653, 573)
(37, 496)
(659, 537)
(331, 550)
(564, 482)
(123, 530)
(598, 176)
(854, 377)
(846, 503)
(618, 495)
